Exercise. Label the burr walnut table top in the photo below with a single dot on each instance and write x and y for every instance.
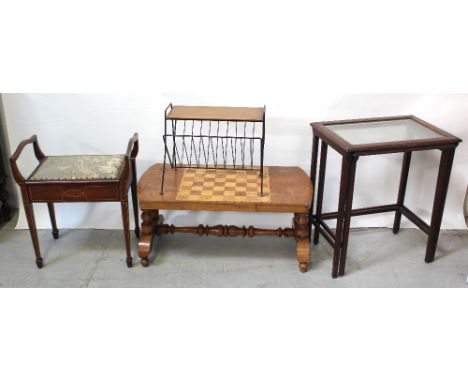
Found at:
(289, 190)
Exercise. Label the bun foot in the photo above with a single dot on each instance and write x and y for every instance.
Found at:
(145, 262)
(39, 263)
(55, 234)
(129, 262)
(303, 267)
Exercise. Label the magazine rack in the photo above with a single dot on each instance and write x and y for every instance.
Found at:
(217, 138)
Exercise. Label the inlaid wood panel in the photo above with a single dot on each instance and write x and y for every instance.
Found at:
(224, 185)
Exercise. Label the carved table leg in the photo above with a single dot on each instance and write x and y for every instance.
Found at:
(302, 240)
(148, 229)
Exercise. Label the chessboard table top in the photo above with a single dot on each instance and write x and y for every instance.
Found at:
(289, 188)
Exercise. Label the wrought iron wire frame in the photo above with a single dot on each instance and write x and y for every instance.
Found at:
(172, 159)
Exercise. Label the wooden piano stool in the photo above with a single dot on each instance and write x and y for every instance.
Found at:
(78, 178)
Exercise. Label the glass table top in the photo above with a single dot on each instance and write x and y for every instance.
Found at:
(385, 131)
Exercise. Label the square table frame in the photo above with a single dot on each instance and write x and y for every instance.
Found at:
(65, 191)
(446, 143)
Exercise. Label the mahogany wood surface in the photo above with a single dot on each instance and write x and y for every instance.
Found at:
(216, 113)
(291, 191)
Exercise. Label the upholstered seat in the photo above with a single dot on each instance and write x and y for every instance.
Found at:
(79, 167)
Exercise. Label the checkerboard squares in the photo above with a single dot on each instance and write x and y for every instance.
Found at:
(224, 185)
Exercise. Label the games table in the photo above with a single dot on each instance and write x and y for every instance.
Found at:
(285, 190)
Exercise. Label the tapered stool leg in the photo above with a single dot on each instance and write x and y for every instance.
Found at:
(135, 199)
(28, 208)
(55, 231)
(443, 178)
(126, 225)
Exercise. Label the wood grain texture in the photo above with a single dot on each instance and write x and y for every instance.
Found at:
(290, 191)
(216, 113)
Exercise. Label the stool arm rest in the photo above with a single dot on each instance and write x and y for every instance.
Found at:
(132, 148)
(37, 152)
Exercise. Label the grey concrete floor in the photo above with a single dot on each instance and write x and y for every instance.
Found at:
(96, 258)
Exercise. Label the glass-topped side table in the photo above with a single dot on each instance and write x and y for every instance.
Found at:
(372, 136)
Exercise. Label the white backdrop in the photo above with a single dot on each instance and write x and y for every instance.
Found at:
(103, 123)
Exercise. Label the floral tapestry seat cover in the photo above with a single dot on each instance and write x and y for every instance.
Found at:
(79, 167)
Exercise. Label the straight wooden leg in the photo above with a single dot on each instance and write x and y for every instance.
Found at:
(135, 199)
(347, 214)
(345, 170)
(321, 184)
(302, 240)
(55, 231)
(402, 190)
(443, 178)
(28, 208)
(126, 226)
(313, 172)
